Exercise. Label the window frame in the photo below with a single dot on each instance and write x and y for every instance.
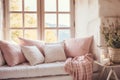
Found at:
(40, 20)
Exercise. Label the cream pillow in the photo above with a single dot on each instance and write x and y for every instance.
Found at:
(54, 52)
(27, 42)
(32, 54)
(2, 61)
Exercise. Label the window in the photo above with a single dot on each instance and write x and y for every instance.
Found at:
(49, 20)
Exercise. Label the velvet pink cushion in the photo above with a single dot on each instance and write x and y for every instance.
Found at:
(37, 43)
(12, 53)
(77, 47)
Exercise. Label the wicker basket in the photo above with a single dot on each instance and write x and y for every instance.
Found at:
(114, 55)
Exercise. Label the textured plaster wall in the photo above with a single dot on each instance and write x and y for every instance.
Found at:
(105, 8)
(90, 11)
(109, 7)
(98, 9)
(1, 19)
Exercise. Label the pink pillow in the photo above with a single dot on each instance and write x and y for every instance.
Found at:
(12, 53)
(77, 47)
(37, 43)
(2, 60)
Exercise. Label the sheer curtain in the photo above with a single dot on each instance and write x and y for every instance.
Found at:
(1, 19)
(81, 17)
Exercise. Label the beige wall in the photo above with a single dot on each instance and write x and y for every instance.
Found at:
(99, 9)
(105, 8)
(1, 19)
(109, 7)
(89, 14)
(88, 11)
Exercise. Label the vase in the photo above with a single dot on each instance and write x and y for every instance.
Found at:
(114, 54)
(103, 53)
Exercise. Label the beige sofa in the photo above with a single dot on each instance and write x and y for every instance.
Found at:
(43, 71)
(46, 71)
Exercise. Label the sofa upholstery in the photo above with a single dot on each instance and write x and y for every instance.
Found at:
(41, 71)
(65, 77)
(25, 70)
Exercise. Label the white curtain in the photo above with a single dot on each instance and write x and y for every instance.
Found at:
(81, 17)
(1, 19)
(86, 11)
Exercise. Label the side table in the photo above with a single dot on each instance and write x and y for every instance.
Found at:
(111, 70)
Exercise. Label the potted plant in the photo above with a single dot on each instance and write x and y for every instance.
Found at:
(111, 35)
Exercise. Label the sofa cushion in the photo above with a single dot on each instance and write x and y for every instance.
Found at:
(54, 52)
(25, 70)
(32, 54)
(12, 53)
(28, 42)
(77, 46)
(2, 61)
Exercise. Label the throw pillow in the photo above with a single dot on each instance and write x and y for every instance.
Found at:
(2, 61)
(54, 52)
(77, 47)
(33, 55)
(12, 53)
(28, 42)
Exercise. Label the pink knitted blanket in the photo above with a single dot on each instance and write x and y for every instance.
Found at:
(80, 67)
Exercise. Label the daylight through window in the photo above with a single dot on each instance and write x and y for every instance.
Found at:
(49, 20)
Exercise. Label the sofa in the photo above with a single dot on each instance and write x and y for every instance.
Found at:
(46, 71)
(53, 69)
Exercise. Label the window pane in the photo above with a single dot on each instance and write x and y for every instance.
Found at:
(31, 34)
(64, 5)
(50, 5)
(15, 5)
(15, 20)
(64, 20)
(30, 5)
(50, 36)
(50, 20)
(14, 34)
(30, 20)
(63, 34)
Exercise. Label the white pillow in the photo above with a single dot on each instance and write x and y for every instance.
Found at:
(32, 54)
(2, 61)
(54, 52)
